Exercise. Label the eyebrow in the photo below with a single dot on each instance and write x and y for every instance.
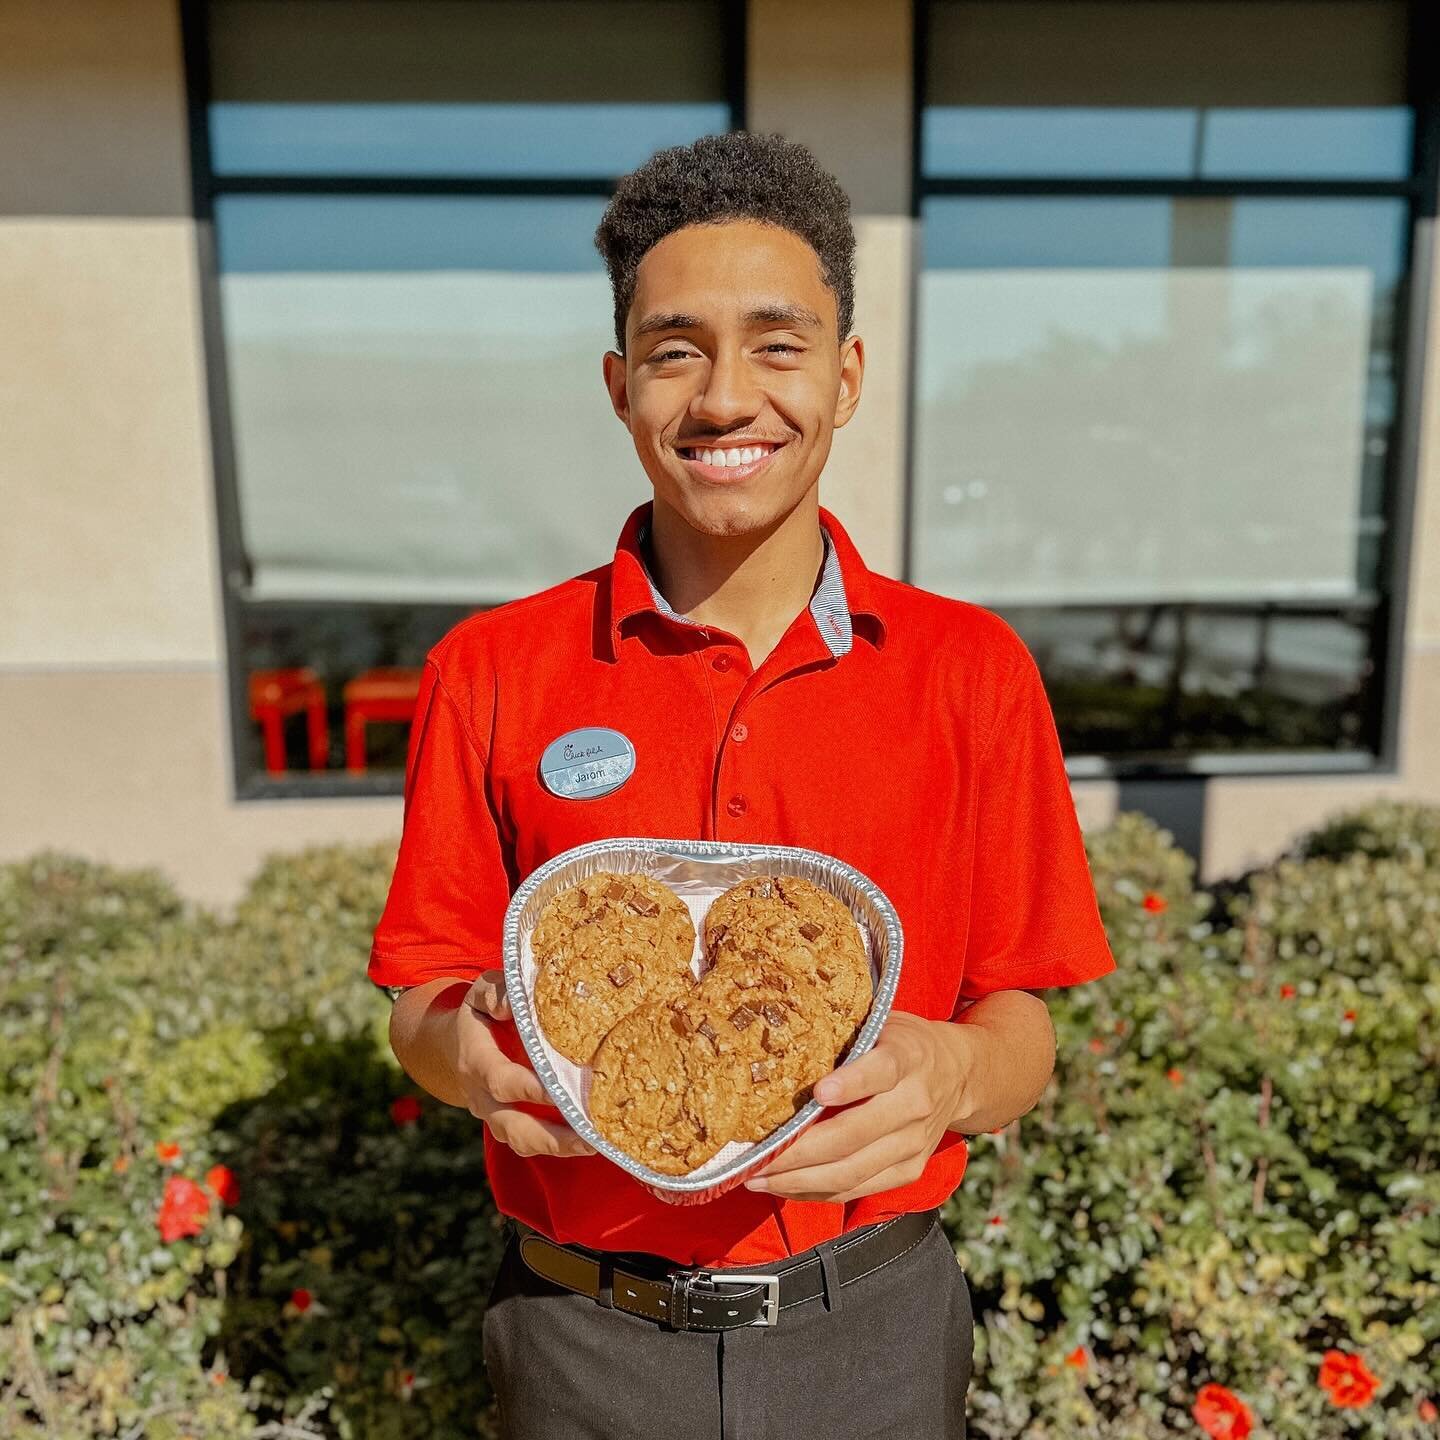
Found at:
(797, 315)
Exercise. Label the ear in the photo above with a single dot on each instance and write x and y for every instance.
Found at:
(852, 371)
(617, 383)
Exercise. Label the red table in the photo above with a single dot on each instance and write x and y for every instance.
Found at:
(275, 695)
(387, 694)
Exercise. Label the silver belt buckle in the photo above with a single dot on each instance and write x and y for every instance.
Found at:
(770, 1307)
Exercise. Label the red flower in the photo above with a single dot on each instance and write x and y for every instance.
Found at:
(221, 1179)
(1097, 1045)
(1077, 1359)
(1349, 1017)
(183, 1209)
(997, 1219)
(166, 1151)
(1287, 992)
(405, 1110)
(1155, 904)
(1346, 1380)
(1221, 1413)
(1428, 1413)
(301, 1300)
(1174, 1076)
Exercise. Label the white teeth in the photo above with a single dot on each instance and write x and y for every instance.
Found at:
(743, 455)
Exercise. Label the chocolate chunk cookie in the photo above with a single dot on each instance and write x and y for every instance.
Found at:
(661, 1093)
(785, 918)
(778, 1023)
(603, 947)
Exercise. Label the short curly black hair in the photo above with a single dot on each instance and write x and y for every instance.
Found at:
(736, 176)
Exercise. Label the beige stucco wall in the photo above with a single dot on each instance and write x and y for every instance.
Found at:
(113, 720)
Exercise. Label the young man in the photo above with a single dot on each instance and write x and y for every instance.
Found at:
(772, 690)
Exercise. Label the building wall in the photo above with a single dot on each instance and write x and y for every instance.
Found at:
(114, 735)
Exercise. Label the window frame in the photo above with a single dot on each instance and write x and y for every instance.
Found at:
(206, 187)
(1402, 464)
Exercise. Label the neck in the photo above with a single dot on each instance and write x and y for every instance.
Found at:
(752, 585)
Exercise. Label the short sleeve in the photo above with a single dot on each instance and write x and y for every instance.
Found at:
(446, 906)
(1034, 918)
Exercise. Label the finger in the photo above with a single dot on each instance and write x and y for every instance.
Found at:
(871, 1074)
(527, 1135)
(508, 1083)
(906, 1173)
(833, 1176)
(833, 1137)
(487, 995)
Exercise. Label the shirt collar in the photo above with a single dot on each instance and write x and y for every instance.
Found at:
(845, 591)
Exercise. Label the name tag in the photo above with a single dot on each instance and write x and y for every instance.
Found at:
(586, 764)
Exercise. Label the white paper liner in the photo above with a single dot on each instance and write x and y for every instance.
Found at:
(698, 871)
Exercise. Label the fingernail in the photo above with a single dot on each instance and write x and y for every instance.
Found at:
(824, 1093)
(760, 1185)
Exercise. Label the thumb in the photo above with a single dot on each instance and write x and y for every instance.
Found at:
(487, 995)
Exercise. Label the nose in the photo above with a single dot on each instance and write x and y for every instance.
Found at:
(728, 397)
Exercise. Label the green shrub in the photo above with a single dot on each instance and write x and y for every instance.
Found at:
(1234, 1170)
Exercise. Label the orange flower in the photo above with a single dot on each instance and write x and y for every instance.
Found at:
(1221, 1413)
(405, 1110)
(166, 1151)
(183, 1209)
(301, 1300)
(1097, 1045)
(221, 1179)
(1174, 1076)
(1428, 1413)
(1287, 992)
(1346, 1380)
(1155, 904)
(122, 1164)
(1077, 1359)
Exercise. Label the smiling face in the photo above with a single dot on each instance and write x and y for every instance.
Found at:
(734, 376)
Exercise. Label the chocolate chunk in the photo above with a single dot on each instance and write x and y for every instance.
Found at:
(621, 976)
(614, 891)
(811, 931)
(718, 938)
(705, 1028)
(775, 1014)
(680, 1022)
(742, 1016)
(759, 1072)
(755, 957)
(644, 905)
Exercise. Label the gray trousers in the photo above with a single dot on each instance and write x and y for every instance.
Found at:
(889, 1359)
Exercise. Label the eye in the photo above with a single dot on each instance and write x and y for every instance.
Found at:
(782, 347)
(670, 355)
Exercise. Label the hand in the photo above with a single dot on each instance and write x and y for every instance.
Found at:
(910, 1087)
(494, 1084)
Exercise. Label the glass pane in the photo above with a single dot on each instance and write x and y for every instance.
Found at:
(1094, 87)
(499, 141)
(415, 388)
(1145, 681)
(508, 88)
(1151, 400)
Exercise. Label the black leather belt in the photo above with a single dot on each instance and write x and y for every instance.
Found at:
(718, 1299)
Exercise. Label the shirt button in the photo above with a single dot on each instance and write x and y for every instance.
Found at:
(737, 805)
(740, 732)
(721, 662)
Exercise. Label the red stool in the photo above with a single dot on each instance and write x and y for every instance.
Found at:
(275, 695)
(385, 695)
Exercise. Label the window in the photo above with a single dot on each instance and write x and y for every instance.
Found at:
(1164, 295)
(405, 321)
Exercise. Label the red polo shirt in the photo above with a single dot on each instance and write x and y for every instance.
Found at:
(920, 748)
